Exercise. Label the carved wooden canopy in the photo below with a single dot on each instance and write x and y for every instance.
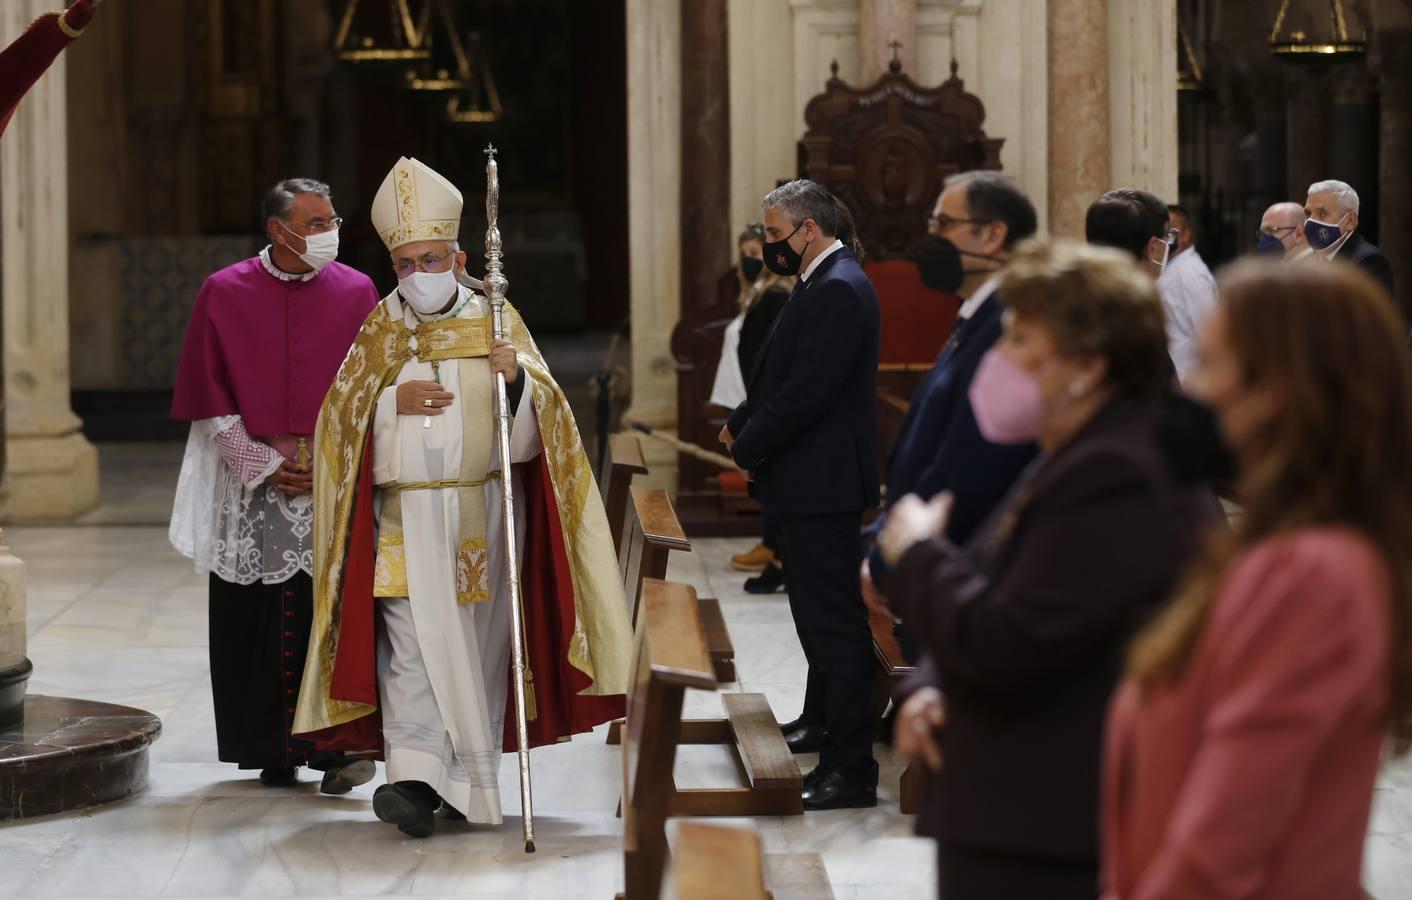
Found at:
(885, 150)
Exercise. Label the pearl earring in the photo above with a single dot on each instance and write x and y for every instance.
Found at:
(1076, 389)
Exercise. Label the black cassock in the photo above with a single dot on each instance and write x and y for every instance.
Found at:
(259, 636)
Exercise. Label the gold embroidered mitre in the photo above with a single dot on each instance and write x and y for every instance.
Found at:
(414, 203)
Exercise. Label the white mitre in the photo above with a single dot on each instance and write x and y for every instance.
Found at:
(414, 203)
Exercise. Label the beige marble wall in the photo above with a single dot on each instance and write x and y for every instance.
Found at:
(1142, 96)
(654, 180)
(880, 23)
(52, 470)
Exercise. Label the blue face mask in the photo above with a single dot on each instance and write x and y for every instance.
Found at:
(1269, 245)
(1322, 235)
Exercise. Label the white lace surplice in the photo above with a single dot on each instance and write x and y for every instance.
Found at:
(226, 520)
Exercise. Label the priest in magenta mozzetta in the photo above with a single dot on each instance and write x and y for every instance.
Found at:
(266, 337)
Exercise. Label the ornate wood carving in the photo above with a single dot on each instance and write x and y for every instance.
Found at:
(885, 150)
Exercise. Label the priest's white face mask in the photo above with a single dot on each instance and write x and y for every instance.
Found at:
(319, 249)
(427, 283)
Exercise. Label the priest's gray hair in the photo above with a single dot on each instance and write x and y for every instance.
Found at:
(279, 201)
(802, 199)
(1347, 196)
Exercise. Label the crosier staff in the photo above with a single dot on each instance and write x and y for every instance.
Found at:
(496, 285)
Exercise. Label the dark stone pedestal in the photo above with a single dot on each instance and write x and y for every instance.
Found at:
(68, 754)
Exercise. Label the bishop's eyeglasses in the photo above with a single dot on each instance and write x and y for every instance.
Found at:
(428, 262)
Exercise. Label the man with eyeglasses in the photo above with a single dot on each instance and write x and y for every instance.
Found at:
(265, 339)
(978, 219)
(410, 648)
(1282, 231)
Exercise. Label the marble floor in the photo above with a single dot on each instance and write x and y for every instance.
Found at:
(116, 615)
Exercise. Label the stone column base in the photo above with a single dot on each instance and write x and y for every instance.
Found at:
(51, 478)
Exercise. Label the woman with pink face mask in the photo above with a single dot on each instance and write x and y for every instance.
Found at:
(1026, 625)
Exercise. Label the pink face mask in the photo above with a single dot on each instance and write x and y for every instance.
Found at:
(1006, 401)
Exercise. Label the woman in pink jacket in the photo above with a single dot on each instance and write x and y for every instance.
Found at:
(1243, 746)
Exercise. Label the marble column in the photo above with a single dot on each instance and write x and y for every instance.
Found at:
(14, 665)
(706, 227)
(1079, 134)
(654, 220)
(880, 23)
(52, 469)
(1395, 149)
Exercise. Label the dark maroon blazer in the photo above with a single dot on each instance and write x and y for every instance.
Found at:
(1026, 627)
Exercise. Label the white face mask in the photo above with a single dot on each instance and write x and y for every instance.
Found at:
(428, 292)
(319, 249)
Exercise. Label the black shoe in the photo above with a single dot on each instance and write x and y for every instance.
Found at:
(409, 805)
(767, 582)
(346, 775)
(280, 777)
(806, 739)
(451, 813)
(834, 791)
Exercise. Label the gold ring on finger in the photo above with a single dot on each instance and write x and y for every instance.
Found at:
(427, 403)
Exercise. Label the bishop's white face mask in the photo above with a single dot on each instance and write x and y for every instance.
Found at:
(319, 249)
(428, 292)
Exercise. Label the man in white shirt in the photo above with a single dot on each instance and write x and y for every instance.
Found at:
(1188, 292)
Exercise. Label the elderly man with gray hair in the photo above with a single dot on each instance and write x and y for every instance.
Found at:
(265, 340)
(1331, 228)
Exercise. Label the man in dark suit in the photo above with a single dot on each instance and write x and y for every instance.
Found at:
(977, 221)
(1331, 227)
(807, 433)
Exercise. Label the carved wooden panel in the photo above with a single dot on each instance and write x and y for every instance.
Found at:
(885, 150)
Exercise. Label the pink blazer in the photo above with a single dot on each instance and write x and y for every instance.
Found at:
(1252, 776)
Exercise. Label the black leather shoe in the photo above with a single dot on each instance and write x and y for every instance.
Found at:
(346, 775)
(409, 805)
(279, 777)
(806, 739)
(796, 724)
(834, 791)
(767, 582)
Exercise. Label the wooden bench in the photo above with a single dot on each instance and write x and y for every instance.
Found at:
(650, 532)
(623, 462)
(892, 669)
(718, 863)
(670, 656)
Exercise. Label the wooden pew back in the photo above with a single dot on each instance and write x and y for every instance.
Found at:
(669, 656)
(651, 531)
(624, 461)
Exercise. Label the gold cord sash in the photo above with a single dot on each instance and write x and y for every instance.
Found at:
(440, 485)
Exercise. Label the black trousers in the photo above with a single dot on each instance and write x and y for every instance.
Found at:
(770, 534)
(259, 636)
(966, 874)
(826, 599)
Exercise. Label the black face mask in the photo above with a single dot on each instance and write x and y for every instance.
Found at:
(939, 263)
(1190, 437)
(781, 258)
(751, 268)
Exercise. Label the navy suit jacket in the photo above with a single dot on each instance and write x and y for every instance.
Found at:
(1364, 254)
(808, 427)
(940, 447)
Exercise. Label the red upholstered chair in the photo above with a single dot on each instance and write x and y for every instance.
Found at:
(915, 319)
(915, 323)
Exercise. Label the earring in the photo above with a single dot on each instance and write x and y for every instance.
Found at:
(1076, 389)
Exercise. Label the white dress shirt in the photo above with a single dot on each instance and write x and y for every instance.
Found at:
(836, 245)
(1188, 293)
